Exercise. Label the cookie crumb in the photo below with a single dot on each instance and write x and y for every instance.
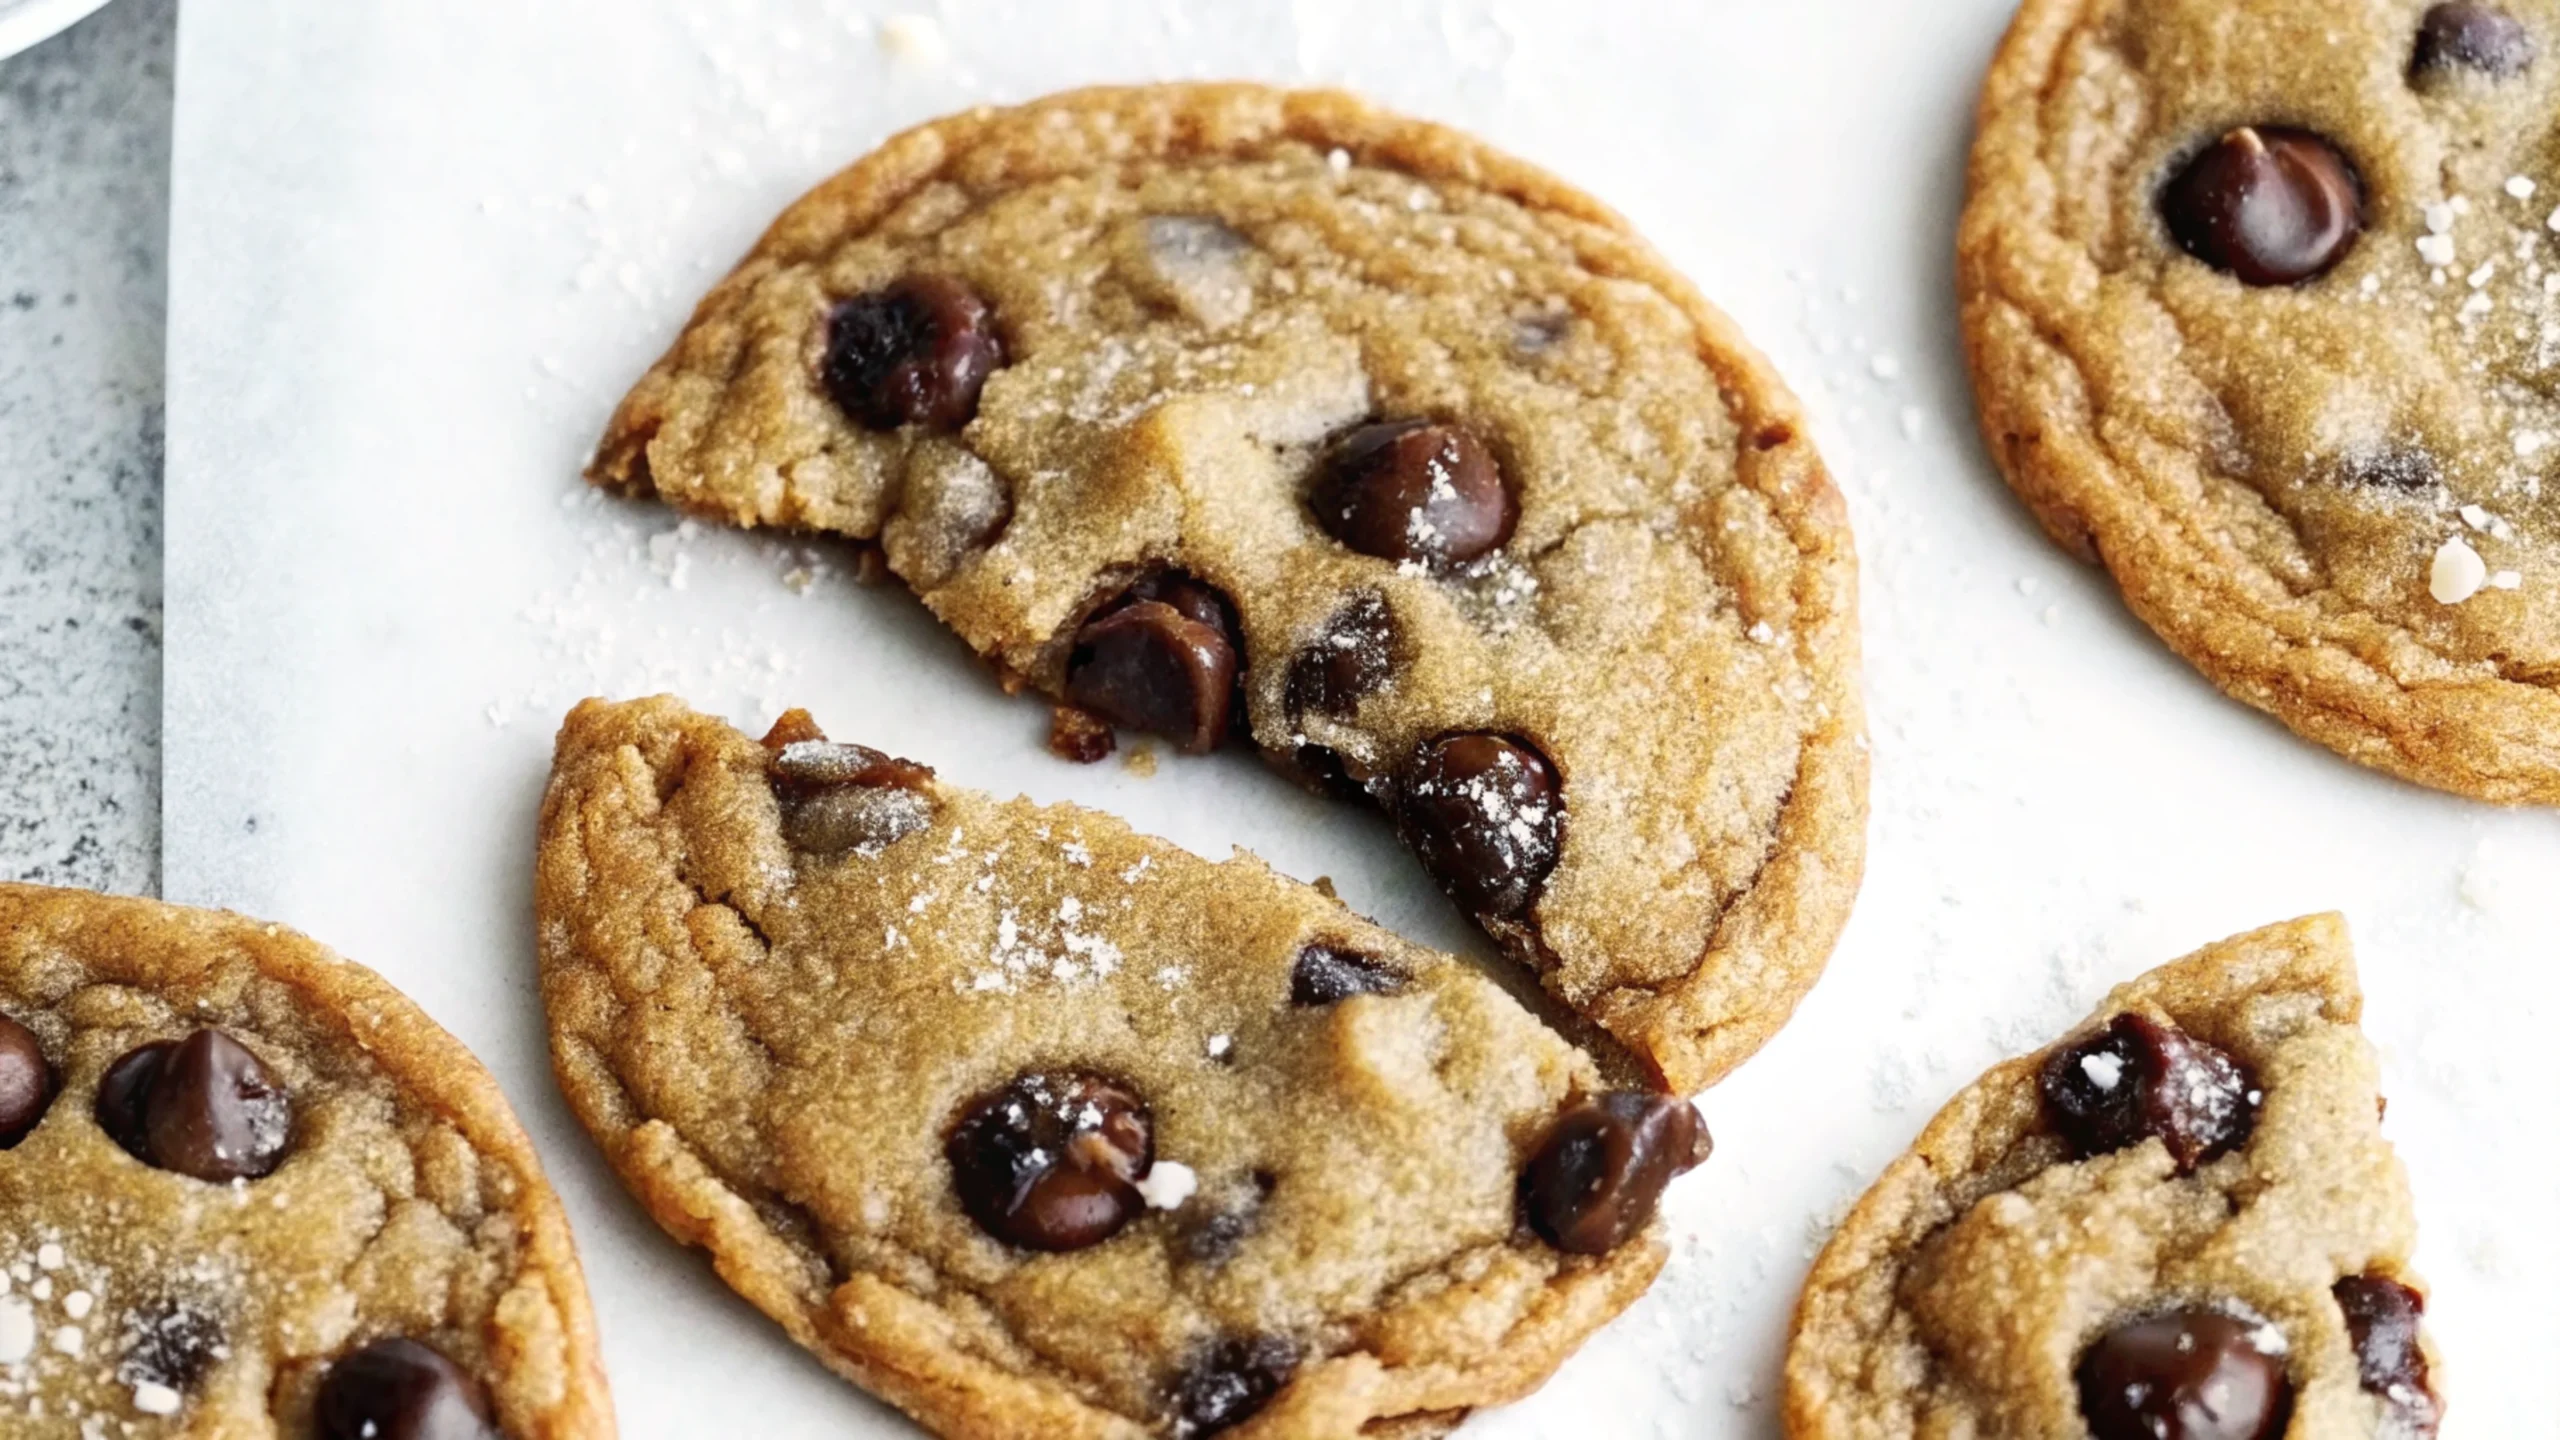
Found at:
(915, 40)
(1079, 736)
(1141, 761)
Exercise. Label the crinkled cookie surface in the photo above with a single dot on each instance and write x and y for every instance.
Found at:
(1037, 1127)
(2187, 1202)
(2263, 307)
(249, 1190)
(1219, 408)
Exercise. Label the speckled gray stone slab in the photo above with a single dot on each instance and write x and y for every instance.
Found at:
(84, 195)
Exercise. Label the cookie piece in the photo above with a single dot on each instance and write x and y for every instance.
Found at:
(1224, 411)
(2259, 301)
(2180, 1223)
(1037, 1127)
(247, 1188)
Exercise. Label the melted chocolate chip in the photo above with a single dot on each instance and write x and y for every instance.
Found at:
(2468, 35)
(2268, 206)
(170, 1343)
(1163, 657)
(1078, 736)
(203, 1106)
(1347, 662)
(1325, 771)
(1411, 490)
(398, 1389)
(1599, 1173)
(1051, 1162)
(2139, 1078)
(2382, 1321)
(27, 1082)
(914, 353)
(2186, 1375)
(1486, 815)
(1328, 974)
(837, 798)
(1231, 1383)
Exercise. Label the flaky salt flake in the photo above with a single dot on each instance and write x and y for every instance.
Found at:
(17, 1330)
(1761, 632)
(77, 1304)
(2436, 250)
(2474, 516)
(71, 1340)
(49, 1256)
(2521, 186)
(2480, 278)
(2439, 217)
(153, 1398)
(2458, 573)
(1220, 1046)
(1168, 1184)
(2506, 580)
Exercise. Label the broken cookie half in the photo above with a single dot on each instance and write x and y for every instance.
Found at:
(1035, 1126)
(1234, 414)
(2180, 1223)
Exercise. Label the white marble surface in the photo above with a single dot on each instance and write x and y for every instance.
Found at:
(84, 188)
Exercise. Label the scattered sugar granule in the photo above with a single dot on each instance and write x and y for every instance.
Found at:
(71, 1340)
(1761, 633)
(2436, 250)
(2506, 580)
(1220, 1046)
(2103, 1070)
(49, 1256)
(153, 1398)
(915, 40)
(1339, 162)
(77, 1303)
(1168, 1183)
(2521, 187)
(2458, 572)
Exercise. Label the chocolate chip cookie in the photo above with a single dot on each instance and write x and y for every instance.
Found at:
(1233, 414)
(248, 1189)
(2181, 1223)
(1036, 1127)
(2263, 306)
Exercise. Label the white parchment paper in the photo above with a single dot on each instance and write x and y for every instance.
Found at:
(420, 247)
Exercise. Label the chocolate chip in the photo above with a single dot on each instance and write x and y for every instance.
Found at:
(838, 799)
(1078, 736)
(27, 1082)
(203, 1106)
(1411, 490)
(2186, 1375)
(2139, 1078)
(2269, 206)
(170, 1343)
(1597, 1176)
(914, 353)
(2382, 1321)
(1324, 769)
(1487, 817)
(1348, 661)
(1230, 1383)
(1329, 974)
(2468, 35)
(1051, 1162)
(1162, 657)
(398, 1389)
